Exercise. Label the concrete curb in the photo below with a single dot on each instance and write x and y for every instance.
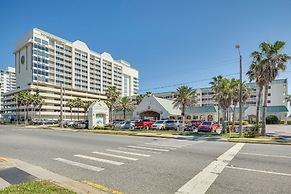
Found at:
(57, 179)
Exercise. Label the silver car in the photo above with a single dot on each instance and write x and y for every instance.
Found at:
(159, 124)
(173, 125)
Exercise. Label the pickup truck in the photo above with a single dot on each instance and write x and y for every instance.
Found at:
(145, 123)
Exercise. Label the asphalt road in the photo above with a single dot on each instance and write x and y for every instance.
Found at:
(152, 165)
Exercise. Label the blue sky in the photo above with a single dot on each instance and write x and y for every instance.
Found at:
(169, 42)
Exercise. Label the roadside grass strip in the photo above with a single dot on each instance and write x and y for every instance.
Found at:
(43, 187)
(116, 156)
(85, 166)
(200, 183)
(130, 153)
(101, 187)
(99, 159)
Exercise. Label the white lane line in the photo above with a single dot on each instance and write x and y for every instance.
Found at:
(116, 156)
(130, 153)
(200, 183)
(158, 146)
(165, 145)
(262, 171)
(147, 148)
(89, 167)
(266, 155)
(139, 150)
(99, 159)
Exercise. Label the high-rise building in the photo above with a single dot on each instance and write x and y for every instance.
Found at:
(45, 62)
(7, 81)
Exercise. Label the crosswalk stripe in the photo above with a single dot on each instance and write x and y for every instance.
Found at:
(158, 146)
(89, 167)
(132, 149)
(147, 148)
(166, 145)
(99, 159)
(116, 156)
(130, 153)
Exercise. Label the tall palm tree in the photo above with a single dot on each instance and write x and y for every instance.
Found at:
(40, 104)
(78, 104)
(255, 73)
(215, 87)
(235, 87)
(124, 104)
(288, 99)
(246, 92)
(139, 98)
(71, 104)
(185, 97)
(112, 95)
(17, 99)
(35, 99)
(26, 99)
(271, 63)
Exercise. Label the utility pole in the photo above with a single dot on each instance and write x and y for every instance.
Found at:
(61, 115)
(240, 91)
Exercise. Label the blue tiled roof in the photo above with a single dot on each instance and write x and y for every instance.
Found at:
(201, 109)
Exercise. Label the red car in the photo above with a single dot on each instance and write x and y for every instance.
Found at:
(207, 126)
(195, 123)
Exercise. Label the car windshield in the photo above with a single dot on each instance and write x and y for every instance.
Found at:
(206, 123)
(159, 122)
(171, 121)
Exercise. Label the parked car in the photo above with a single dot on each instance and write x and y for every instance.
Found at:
(173, 125)
(207, 126)
(145, 123)
(128, 125)
(195, 123)
(159, 124)
(81, 124)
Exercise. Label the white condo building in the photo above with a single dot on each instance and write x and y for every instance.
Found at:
(44, 62)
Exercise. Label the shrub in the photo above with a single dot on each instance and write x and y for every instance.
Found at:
(252, 131)
(101, 128)
(289, 122)
(272, 119)
(282, 122)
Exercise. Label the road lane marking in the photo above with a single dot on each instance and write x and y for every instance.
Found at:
(165, 145)
(200, 183)
(116, 156)
(147, 148)
(158, 146)
(89, 167)
(130, 153)
(4, 159)
(266, 155)
(99, 159)
(262, 171)
(101, 187)
(139, 150)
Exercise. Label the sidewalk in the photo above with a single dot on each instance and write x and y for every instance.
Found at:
(13, 171)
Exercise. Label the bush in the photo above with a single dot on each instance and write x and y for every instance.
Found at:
(282, 122)
(289, 122)
(101, 128)
(252, 131)
(245, 122)
(272, 119)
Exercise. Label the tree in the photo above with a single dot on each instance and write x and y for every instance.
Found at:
(124, 104)
(112, 95)
(215, 87)
(272, 61)
(17, 99)
(288, 99)
(78, 104)
(86, 105)
(139, 98)
(235, 87)
(71, 104)
(26, 99)
(255, 73)
(185, 97)
(35, 100)
(40, 104)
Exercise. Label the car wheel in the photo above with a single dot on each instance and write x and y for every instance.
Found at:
(162, 128)
(147, 127)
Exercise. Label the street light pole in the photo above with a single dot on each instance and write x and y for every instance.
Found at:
(61, 115)
(240, 91)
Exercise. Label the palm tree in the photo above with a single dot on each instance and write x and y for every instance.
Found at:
(35, 99)
(235, 86)
(78, 104)
(246, 92)
(85, 106)
(185, 97)
(215, 87)
(112, 95)
(40, 104)
(17, 99)
(139, 98)
(71, 105)
(124, 104)
(288, 99)
(271, 63)
(26, 99)
(255, 73)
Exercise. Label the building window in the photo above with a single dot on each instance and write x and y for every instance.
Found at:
(269, 101)
(269, 87)
(269, 94)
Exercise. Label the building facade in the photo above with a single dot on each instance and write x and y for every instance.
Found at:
(45, 62)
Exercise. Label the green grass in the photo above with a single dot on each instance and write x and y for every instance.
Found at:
(40, 187)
